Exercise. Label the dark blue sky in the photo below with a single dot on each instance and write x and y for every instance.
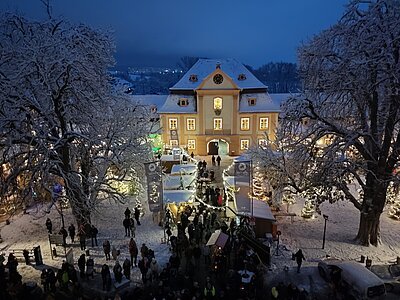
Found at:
(158, 32)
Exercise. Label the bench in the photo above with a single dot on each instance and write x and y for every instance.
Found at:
(284, 214)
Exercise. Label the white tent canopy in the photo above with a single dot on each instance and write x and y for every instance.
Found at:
(178, 196)
(261, 210)
(185, 169)
(176, 182)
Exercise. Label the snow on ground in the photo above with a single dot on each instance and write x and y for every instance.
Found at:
(26, 231)
(342, 227)
(29, 230)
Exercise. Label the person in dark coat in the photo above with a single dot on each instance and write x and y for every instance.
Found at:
(204, 165)
(192, 155)
(64, 233)
(127, 213)
(49, 226)
(82, 237)
(82, 265)
(90, 268)
(93, 234)
(299, 259)
(117, 272)
(137, 215)
(127, 225)
(213, 160)
(12, 264)
(219, 160)
(107, 249)
(71, 230)
(126, 266)
(133, 251)
(106, 277)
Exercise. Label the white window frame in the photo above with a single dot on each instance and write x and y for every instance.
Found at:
(190, 127)
(216, 121)
(191, 144)
(217, 104)
(261, 125)
(174, 143)
(171, 125)
(243, 128)
(242, 144)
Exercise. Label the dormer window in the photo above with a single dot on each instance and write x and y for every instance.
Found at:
(183, 102)
(242, 77)
(193, 78)
(153, 109)
(252, 101)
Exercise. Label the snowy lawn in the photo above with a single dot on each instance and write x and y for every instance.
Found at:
(342, 227)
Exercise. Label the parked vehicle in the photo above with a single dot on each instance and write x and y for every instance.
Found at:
(390, 275)
(352, 279)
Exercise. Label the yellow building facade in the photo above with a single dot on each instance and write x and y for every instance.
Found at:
(218, 107)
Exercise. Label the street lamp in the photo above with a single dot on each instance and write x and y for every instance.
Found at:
(323, 239)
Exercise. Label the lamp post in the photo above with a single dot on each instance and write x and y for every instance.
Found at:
(323, 239)
(278, 233)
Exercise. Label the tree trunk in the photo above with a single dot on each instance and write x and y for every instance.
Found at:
(369, 230)
(372, 207)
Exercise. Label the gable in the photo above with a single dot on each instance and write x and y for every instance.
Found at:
(217, 80)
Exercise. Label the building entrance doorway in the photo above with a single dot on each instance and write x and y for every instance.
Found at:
(218, 147)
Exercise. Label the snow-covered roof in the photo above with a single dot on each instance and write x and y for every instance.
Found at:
(157, 100)
(231, 67)
(261, 210)
(278, 99)
(263, 103)
(174, 182)
(171, 105)
(178, 196)
(185, 169)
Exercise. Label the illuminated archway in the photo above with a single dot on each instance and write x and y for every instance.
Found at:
(221, 145)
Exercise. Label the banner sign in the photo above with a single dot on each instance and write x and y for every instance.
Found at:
(154, 186)
(174, 134)
(242, 176)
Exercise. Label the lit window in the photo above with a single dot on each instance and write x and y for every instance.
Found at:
(174, 143)
(218, 124)
(263, 123)
(262, 143)
(191, 124)
(244, 144)
(218, 103)
(173, 124)
(252, 101)
(244, 123)
(183, 102)
(191, 144)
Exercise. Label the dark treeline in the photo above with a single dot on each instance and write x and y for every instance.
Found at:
(279, 77)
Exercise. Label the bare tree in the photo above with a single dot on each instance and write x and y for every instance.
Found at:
(351, 102)
(60, 119)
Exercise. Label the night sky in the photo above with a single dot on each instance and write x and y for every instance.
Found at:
(159, 32)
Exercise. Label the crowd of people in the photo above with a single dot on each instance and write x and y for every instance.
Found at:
(194, 270)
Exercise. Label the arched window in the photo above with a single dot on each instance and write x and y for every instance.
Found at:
(218, 103)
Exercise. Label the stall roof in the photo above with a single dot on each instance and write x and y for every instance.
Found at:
(261, 210)
(218, 238)
(178, 196)
(185, 169)
(174, 182)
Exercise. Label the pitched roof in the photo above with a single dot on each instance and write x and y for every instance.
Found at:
(264, 103)
(241, 76)
(171, 105)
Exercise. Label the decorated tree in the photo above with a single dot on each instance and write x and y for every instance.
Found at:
(345, 125)
(61, 122)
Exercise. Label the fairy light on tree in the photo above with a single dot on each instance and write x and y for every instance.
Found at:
(288, 199)
(393, 199)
